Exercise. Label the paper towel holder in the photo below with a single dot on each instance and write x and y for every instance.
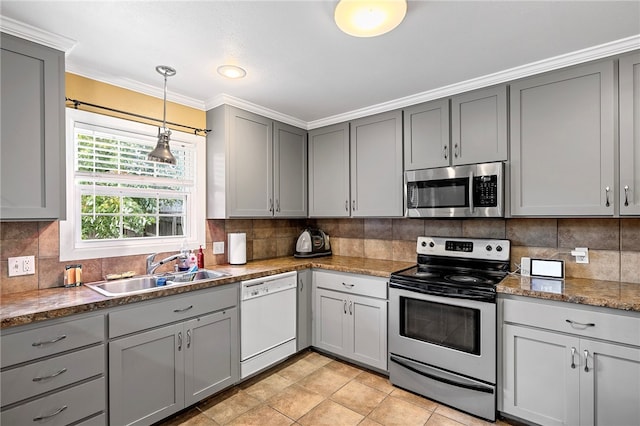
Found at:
(237, 248)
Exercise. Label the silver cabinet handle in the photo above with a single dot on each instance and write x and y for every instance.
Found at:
(179, 340)
(48, 342)
(348, 285)
(270, 205)
(346, 205)
(606, 190)
(354, 205)
(183, 309)
(58, 411)
(350, 307)
(581, 324)
(586, 361)
(445, 152)
(345, 306)
(456, 151)
(278, 205)
(188, 338)
(573, 359)
(301, 285)
(51, 376)
(626, 195)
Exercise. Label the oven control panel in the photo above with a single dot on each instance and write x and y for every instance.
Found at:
(475, 248)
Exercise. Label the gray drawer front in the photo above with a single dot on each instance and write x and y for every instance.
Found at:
(49, 340)
(80, 401)
(171, 309)
(100, 420)
(363, 285)
(18, 384)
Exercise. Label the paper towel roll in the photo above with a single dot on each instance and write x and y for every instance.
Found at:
(237, 248)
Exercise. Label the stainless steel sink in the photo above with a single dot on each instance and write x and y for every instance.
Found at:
(152, 282)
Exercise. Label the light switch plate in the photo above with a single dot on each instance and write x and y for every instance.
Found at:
(23, 265)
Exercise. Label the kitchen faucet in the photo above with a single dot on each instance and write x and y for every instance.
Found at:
(151, 267)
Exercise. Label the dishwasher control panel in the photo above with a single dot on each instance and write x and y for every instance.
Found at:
(268, 285)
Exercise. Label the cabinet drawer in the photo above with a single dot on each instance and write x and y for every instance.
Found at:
(584, 322)
(60, 408)
(35, 343)
(171, 309)
(40, 377)
(351, 283)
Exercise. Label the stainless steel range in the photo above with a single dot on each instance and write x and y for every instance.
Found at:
(442, 322)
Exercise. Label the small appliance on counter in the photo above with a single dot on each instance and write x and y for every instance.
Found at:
(312, 242)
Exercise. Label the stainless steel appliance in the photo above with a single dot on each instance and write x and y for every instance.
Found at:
(312, 242)
(442, 322)
(267, 321)
(475, 190)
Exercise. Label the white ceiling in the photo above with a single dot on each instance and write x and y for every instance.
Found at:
(301, 68)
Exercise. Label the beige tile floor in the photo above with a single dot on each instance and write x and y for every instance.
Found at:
(314, 389)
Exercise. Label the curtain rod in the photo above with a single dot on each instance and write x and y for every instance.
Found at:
(77, 103)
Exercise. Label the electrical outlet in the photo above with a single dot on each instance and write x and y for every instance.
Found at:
(218, 247)
(23, 265)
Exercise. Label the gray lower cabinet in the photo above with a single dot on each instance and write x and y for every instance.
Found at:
(156, 372)
(568, 366)
(563, 142)
(54, 373)
(350, 317)
(257, 166)
(629, 86)
(304, 333)
(32, 141)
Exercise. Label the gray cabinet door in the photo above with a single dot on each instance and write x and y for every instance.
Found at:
(539, 382)
(304, 333)
(329, 171)
(479, 126)
(146, 378)
(376, 166)
(210, 354)
(629, 134)
(426, 135)
(329, 317)
(610, 385)
(562, 142)
(250, 164)
(367, 322)
(32, 140)
(290, 171)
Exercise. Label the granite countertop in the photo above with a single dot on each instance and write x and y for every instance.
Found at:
(608, 294)
(39, 305)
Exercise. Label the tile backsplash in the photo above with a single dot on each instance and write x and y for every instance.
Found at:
(614, 244)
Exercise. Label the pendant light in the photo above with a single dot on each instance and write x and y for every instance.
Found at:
(161, 153)
(369, 18)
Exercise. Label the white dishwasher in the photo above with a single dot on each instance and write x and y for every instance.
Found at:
(267, 321)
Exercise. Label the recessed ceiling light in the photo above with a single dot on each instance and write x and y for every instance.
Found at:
(231, 71)
(369, 18)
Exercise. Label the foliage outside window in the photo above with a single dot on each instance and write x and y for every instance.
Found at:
(118, 202)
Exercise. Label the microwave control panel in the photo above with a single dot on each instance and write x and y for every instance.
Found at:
(485, 191)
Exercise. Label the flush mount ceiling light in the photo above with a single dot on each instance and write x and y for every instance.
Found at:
(161, 153)
(369, 18)
(231, 71)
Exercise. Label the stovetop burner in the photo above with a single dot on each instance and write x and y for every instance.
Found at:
(470, 279)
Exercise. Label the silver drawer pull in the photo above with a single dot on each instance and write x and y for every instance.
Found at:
(183, 309)
(586, 361)
(573, 360)
(48, 342)
(58, 411)
(41, 378)
(626, 195)
(606, 190)
(581, 324)
(348, 285)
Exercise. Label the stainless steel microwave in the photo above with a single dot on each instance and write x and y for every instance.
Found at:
(475, 190)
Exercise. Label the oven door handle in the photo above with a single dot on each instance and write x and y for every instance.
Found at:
(444, 380)
(480, 297)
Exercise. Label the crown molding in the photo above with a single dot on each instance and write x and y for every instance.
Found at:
(613, 48)
(36, 35)
(224, 99)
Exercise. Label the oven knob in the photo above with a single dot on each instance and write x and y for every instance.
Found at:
(498, 248)
(424, 244)
(432, 244)
(488, 248)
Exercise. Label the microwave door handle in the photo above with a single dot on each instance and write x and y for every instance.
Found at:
(471, 207)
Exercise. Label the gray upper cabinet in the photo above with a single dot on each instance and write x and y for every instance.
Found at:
(376, 166)
(466, 129)
(629, 192)
(329, 171)
(256, 167)
(426, 135)
(32, 139)
(563, 143)
(479, 126)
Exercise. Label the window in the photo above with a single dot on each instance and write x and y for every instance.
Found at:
(118, 202)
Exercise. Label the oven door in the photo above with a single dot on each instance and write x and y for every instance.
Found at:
(457, 335)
